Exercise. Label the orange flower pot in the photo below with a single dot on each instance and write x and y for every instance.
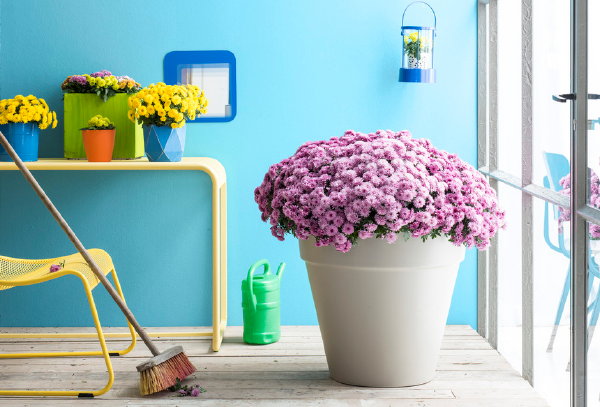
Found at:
(98, 144)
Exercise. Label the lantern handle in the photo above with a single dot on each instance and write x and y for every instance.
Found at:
(430, 8)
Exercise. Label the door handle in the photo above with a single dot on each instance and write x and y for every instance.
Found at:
(571, 96)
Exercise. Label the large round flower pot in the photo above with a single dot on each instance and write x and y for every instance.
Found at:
(98, 144)
(382, 307)
(24, 139)
(163, 143)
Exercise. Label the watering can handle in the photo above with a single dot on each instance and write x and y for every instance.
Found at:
(263, 262)
(430, 8)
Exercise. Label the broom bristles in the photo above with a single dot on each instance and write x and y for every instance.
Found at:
(164, 375)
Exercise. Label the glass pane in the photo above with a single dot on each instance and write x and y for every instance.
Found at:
(509, 160)
(593, 378)
(509, 87)
(509, 277)
(551, 73)
(593, 134)
(213, 79)
(551, 304)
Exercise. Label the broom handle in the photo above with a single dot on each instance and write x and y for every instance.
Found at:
(77, 243)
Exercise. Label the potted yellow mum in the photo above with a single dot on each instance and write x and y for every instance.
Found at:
(21, 119)
(163, 110)
(99, 139)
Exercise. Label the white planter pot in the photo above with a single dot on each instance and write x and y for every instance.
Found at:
(382, 308)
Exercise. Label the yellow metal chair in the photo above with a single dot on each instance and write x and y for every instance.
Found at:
(20, 272)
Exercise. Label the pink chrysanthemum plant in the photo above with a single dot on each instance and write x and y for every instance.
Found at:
(380, 185)
(594, 200)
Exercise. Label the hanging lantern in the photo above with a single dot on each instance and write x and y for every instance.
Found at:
(417, 50)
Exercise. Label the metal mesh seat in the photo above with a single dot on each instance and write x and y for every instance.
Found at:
(22, 271)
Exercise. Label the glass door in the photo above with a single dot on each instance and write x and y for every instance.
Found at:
(539, 143)
(580, 219)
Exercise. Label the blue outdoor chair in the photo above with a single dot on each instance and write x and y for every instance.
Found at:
(557, 167)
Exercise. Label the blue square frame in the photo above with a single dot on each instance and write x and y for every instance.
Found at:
(175, 60)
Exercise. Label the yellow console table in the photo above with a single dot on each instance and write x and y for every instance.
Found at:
(216, 171)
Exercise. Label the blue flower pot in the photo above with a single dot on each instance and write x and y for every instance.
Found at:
(24, 139)
(162, 143)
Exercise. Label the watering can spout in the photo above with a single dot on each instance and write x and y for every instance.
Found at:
(280, 269)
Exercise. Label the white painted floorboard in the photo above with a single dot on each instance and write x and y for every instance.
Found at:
(292, 372)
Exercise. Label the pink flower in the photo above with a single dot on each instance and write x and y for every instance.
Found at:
(594, 200)
(55, 267)
(390, 237)
(363, 234)
(347, 188)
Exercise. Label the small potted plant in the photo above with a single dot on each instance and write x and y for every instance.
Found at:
(21, 119)
(99, 139)
(162, 110)
(105, 94)
(417, 50)
(383, 221)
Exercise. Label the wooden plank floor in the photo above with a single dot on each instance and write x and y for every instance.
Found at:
(292, 372)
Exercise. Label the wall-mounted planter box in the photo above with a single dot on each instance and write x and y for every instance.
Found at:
(80, 107)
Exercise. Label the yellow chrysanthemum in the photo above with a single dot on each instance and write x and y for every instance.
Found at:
(25, 109)
(170, 105)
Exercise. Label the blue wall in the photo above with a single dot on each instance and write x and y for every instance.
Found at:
(306, 70)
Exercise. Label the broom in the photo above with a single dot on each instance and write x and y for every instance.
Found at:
(164, 369)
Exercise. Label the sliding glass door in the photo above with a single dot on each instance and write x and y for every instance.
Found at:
(539, 142)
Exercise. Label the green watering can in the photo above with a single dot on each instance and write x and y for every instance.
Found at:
(260, 302)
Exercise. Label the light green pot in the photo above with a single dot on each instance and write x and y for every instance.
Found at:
(80, 107)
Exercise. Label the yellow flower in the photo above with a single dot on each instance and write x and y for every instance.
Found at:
(174, 125)
(142, 111)
(100, 122)
(148, 98)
